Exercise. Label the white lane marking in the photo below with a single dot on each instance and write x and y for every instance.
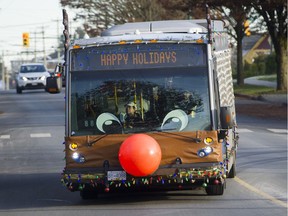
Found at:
(261, 193)
(277, 130)
(55, 200)
(4, 136)
(40, 135)
(244, 130)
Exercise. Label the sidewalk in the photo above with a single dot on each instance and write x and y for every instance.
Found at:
(261, 109)
(280, 99)
(264, 106)
(257, 81)
(277, 99)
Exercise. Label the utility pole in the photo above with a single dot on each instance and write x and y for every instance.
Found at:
(58, 40)
(35, 50)
(3, 73)
(7, 79)
(44, 51)
(36, 37)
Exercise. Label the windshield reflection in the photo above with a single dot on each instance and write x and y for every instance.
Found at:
(147, 100)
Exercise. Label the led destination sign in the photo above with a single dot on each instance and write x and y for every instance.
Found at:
(138, 56)
(148, 58)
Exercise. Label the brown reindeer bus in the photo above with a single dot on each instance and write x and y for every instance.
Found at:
(150, 105)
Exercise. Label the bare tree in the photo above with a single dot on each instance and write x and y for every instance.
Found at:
(233, 11)
(145, 10)
(95, 14)
(175, 9)
(101, 14)
(236, 13)
(274, 13)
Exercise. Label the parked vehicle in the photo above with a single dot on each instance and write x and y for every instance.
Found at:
(31, 76)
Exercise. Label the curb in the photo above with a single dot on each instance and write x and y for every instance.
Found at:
(260, 98)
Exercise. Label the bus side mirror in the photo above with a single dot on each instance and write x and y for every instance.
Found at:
(226, 117)
(59, 69)
(54, 84)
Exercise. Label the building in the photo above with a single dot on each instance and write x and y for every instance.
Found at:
(255, 46)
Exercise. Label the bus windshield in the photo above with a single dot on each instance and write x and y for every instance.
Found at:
(140, 100)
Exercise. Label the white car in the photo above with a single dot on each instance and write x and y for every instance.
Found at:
(31, 76)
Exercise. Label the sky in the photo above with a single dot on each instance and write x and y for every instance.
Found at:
(32, 16)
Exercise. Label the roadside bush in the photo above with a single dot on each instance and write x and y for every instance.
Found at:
(270, 64)
(262, 65)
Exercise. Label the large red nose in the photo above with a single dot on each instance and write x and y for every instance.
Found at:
(140, 155)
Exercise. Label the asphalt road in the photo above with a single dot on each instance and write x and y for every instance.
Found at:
(31, 161)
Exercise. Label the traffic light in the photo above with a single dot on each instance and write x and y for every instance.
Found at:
(246, 28)
(26, 39)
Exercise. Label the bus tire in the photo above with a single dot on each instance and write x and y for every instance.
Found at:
(215, 189)
(232, 172)
(88, 194)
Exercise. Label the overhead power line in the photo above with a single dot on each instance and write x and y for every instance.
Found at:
(28, 24)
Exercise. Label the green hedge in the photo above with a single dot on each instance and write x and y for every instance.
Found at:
(263, 65)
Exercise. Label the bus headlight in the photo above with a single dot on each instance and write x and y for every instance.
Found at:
(205, 151)
(75, 156)
(78, 158)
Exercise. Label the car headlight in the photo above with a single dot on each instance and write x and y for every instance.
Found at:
(43, 78)
(23, 78)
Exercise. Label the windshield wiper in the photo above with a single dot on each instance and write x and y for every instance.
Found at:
(164, 129)
(196, 140)
(96, 140)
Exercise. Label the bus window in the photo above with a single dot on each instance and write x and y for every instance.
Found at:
(155, 93)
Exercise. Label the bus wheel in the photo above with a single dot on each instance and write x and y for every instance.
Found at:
(215, 189)
(88, 194)
(232, 172)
